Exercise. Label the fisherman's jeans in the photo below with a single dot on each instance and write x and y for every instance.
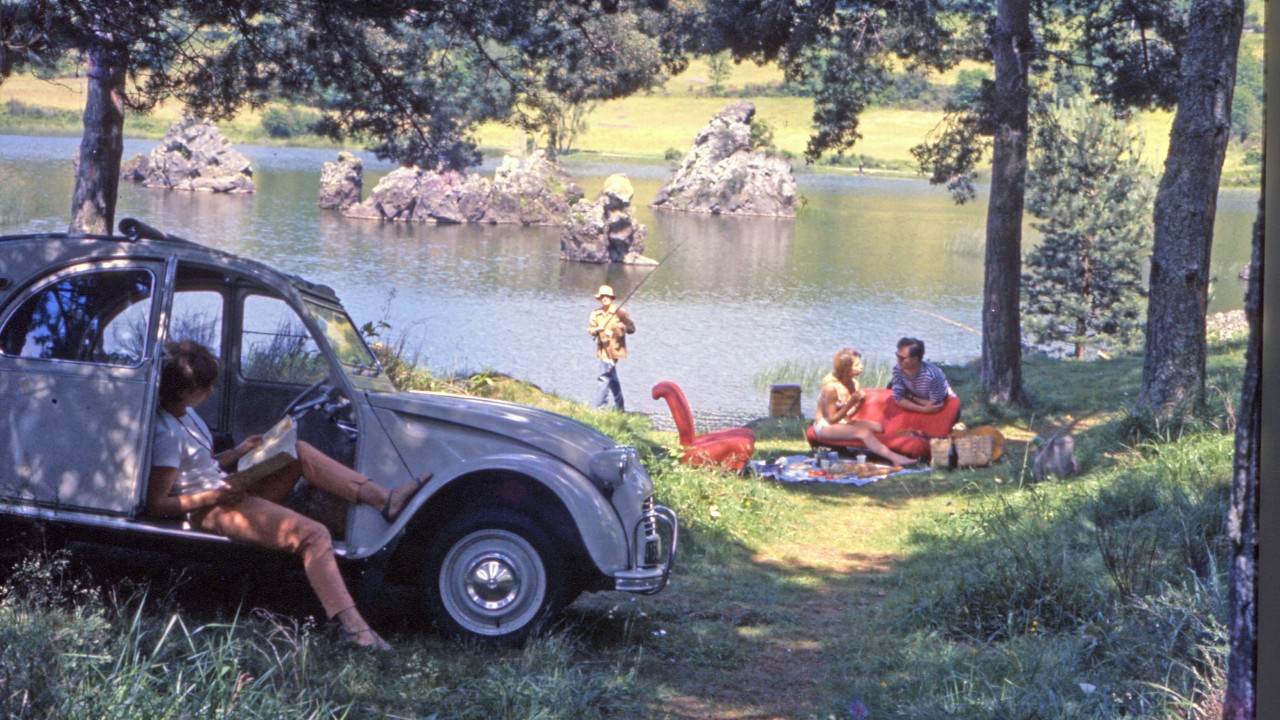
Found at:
(608, 380)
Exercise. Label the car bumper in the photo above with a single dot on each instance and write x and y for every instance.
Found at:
(657, 534)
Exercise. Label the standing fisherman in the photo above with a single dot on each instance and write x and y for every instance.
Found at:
(609, 325)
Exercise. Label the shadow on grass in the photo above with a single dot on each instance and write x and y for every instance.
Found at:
(743, 637)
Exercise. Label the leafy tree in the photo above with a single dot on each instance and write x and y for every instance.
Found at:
(1014, 51)
(1089, 188)
(592, 59)
(1173, 369)
(912, 90)
(850, 49)
(847, 51)
(762, 136)
(288, 121)
(412, 77)
(1243, 515)
(968, 88)
(719, 67)
(1250, 96)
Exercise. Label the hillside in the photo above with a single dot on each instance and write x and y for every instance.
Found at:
(622, 128)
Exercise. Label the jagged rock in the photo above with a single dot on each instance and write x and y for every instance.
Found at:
(411, 194)
(532, 191)
(195, 156)
(134, 170)
(542, 190)
(341, 182)
(603, 231)
(721, 174)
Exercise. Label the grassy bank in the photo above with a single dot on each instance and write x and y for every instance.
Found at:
(620, 129)
(968, 593)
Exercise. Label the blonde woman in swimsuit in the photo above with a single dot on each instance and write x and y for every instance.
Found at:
(840, 398)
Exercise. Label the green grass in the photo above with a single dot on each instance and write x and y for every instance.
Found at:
(808, 375)
(970, 593)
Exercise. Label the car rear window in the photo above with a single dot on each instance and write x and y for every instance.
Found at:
(101, 316)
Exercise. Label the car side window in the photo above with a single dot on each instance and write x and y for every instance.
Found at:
(100, 316)
(197, 315)
(275, 345)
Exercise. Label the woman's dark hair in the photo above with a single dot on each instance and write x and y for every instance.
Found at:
(188, 366)
(915, 348)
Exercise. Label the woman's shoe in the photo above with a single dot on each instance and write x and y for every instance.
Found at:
(367, 638)
(400, 497)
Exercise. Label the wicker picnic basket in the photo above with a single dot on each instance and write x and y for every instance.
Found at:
(940, 452)
(973, 450)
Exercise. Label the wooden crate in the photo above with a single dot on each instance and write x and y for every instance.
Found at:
(784, 401)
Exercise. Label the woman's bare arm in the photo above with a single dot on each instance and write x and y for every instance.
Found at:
(161, 504)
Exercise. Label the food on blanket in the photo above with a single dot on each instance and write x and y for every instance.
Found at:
(846, 468)
(802, 469)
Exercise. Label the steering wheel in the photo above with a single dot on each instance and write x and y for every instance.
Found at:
(316, 394)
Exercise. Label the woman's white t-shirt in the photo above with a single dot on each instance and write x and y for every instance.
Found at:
(186, 444)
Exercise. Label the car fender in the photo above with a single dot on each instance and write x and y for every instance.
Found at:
(596, 521)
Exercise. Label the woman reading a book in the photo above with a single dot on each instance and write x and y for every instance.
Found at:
(187, 478)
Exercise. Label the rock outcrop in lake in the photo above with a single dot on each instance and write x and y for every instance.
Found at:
(534, 190)
(195, 156)
(341, 182)
(722, 175)
(603, 231)
(134, 169)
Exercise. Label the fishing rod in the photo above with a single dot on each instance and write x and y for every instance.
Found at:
(643, 280)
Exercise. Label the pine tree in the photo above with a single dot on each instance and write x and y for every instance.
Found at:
(1093, 195)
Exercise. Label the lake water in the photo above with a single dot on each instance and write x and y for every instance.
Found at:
(866, 261)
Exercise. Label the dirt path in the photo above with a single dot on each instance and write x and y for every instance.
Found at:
(772, 640)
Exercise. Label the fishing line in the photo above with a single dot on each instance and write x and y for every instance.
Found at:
(649, 274)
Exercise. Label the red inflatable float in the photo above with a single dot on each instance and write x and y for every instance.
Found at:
(905, 432)
(730, 448)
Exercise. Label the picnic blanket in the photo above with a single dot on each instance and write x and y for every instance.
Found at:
(802, 469)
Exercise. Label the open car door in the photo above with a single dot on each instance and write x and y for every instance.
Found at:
(78, 362)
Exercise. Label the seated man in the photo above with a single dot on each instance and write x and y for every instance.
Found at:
(917, 385)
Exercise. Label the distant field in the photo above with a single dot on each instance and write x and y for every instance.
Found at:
(68, 94)
(643, 127)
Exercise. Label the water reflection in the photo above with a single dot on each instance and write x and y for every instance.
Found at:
(865, 261)
(728, 257)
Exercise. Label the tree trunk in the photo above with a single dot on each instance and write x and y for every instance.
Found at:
(93, 205)
(1173, 369)
(1012, 47)
(1242, 608)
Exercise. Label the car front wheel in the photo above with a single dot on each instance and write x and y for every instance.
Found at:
(494, 576)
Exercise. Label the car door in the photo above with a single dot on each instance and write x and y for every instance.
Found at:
(78, 373)
(274, 357)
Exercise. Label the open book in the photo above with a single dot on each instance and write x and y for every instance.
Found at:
(279, 448)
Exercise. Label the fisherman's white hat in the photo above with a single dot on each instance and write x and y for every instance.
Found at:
(605, 290)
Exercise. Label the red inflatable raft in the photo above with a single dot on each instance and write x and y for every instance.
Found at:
(905, 432)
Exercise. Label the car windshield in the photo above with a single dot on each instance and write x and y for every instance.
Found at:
(346, 342)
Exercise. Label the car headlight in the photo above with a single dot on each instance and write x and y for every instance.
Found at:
(609, 468)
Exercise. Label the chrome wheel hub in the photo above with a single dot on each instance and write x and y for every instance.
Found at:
(492, 582)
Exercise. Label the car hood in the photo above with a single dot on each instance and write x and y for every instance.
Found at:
(563, 437)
